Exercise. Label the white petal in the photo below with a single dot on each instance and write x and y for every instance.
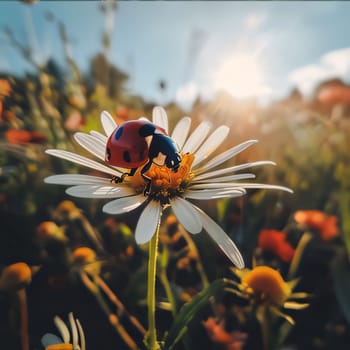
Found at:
(233, 169)
(98, 135)
(221, 239)
(197, 137)
(223, 157)
(108, 123)
(214, 194)
(81, 335)
(98, 191)
(211, 144)
(228, 186)
(62, 328)
(160, 118)
(234, 177)
(91, 144)
(217, 185)
(74, 330)
(180, 131)
(187, 215)
(76, 179)
(76, 158)
(265, 186)
(124, 205)
(148, 222)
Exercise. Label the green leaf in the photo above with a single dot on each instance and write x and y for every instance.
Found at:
(341, 275)
(189, 310)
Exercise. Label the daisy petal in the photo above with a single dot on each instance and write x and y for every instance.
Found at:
(233, 169)
(50, 339)
(98, 191)
(91, 144)
(81, 335)
(197, 137)
(187, 215)
(223, 157)
(215, 194)
(76, 179)
(265, 186)
(228, 178)
(211, 144)
(124, 205)
(73, 327)
(217, 185)
(108, 123)
(221, 239)
(98, 135)
(148, 222)
(62, 328)
(160, 118)
(181, 130)
(76, 158)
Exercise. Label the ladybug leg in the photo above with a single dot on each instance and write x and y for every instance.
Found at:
(147, 189)
(119, 179)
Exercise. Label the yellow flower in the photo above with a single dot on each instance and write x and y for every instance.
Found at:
(264, 286)
(15, 276)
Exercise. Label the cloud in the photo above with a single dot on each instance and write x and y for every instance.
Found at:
(334, 64)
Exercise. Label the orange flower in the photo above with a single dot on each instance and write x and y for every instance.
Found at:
(5, 88)
(325, 224)
(217, 333)
(267, 284)
(275, 242)
(15, 276)
(24, 136)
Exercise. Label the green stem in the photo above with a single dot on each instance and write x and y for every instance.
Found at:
(151, 339)
(169, 293)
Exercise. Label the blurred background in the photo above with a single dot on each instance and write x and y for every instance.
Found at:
(278, 72)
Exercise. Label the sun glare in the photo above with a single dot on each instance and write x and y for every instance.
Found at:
(242, 76)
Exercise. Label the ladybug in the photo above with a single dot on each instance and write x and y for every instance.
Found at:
(139, 143)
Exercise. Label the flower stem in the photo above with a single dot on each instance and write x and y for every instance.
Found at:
(151, 338)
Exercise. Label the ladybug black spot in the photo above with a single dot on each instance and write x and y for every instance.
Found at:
(108, 154)
(118, 133)
(126, 156)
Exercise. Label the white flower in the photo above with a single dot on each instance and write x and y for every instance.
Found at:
(51, 341)
(197, 178)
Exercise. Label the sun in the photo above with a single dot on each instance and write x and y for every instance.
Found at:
(241, 75)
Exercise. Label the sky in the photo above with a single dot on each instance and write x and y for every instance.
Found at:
(250, 49)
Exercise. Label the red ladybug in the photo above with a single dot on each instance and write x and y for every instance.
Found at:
(138, 143)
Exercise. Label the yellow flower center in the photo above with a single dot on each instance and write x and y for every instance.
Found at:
(60, 347)
(165, 183)
(266, 284)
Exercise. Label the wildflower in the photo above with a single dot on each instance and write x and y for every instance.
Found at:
(275, 242)
(49, 230)
(52, 342)
(85, 258)
(24, 136)
(5, 88)
(15, 276)
(264, 286)
(229, 340)
(194, 179)
(325, 224)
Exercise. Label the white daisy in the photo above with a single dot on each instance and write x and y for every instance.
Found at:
(197, 177)
(51, 341)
